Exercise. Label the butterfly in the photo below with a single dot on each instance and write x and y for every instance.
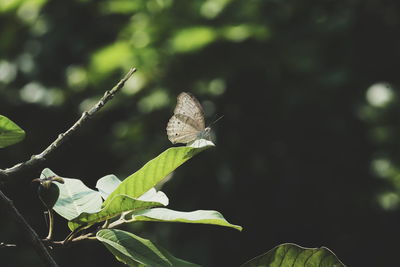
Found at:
(188, 123)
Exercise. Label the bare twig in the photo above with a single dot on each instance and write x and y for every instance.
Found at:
(35, 159)
(5, 245)
(27, 229)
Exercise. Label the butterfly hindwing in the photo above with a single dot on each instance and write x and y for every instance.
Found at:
(181, 129)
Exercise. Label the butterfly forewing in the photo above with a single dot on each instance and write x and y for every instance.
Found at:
(188, 105)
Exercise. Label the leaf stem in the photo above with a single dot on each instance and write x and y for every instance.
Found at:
(62, 243)
(106, 224)
(51, 225)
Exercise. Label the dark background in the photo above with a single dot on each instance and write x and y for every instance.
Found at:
(307, 151)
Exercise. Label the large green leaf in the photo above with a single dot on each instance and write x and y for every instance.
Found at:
(295, 256)
(115, 207)
(198, 216)
(156, 169)
(136, 251)
(10, 133)
(75, 197)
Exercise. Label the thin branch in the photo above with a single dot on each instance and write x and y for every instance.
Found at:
(27, 229)
(35, 159)
(5, 245)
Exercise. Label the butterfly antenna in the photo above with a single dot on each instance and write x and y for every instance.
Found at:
(214, 122)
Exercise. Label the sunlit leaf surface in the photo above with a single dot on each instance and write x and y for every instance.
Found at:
(296, 256)
(10, 133)
(155, 170)
(119, 204)
(198, 216)
(134, 250)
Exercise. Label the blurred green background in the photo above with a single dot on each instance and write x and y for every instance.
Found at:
(309, 148)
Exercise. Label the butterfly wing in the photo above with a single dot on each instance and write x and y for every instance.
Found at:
(189, 106)
(188, 120)
(182, 129)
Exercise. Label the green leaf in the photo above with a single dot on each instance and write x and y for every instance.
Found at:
(107, 184)
(118, 205)
(134, 250)
(10, 133)
(155, 170)
(296, 256)
(75, 197)
(198, 216)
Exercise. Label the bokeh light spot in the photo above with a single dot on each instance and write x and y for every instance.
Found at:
(76, 77)
(8, 71)
(132, 86)
(155, 100)
(192, 39)
(212, 8)
(389, 201)
(381, 167)
(217, 87)
(379, 94)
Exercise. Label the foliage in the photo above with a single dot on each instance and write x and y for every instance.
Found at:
(10, 133)
(309, 94)
(134, 251)
(296, 256)
(133, 200)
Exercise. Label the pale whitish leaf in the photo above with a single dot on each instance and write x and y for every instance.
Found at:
(75, 197)
(107, 184)
(155, 196)
(200, 143)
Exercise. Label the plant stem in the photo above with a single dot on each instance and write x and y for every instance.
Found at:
(62, 243)
(33, 238)
(51, 224)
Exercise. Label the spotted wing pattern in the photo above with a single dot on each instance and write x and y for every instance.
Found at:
(188, 105)
(187, 121)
